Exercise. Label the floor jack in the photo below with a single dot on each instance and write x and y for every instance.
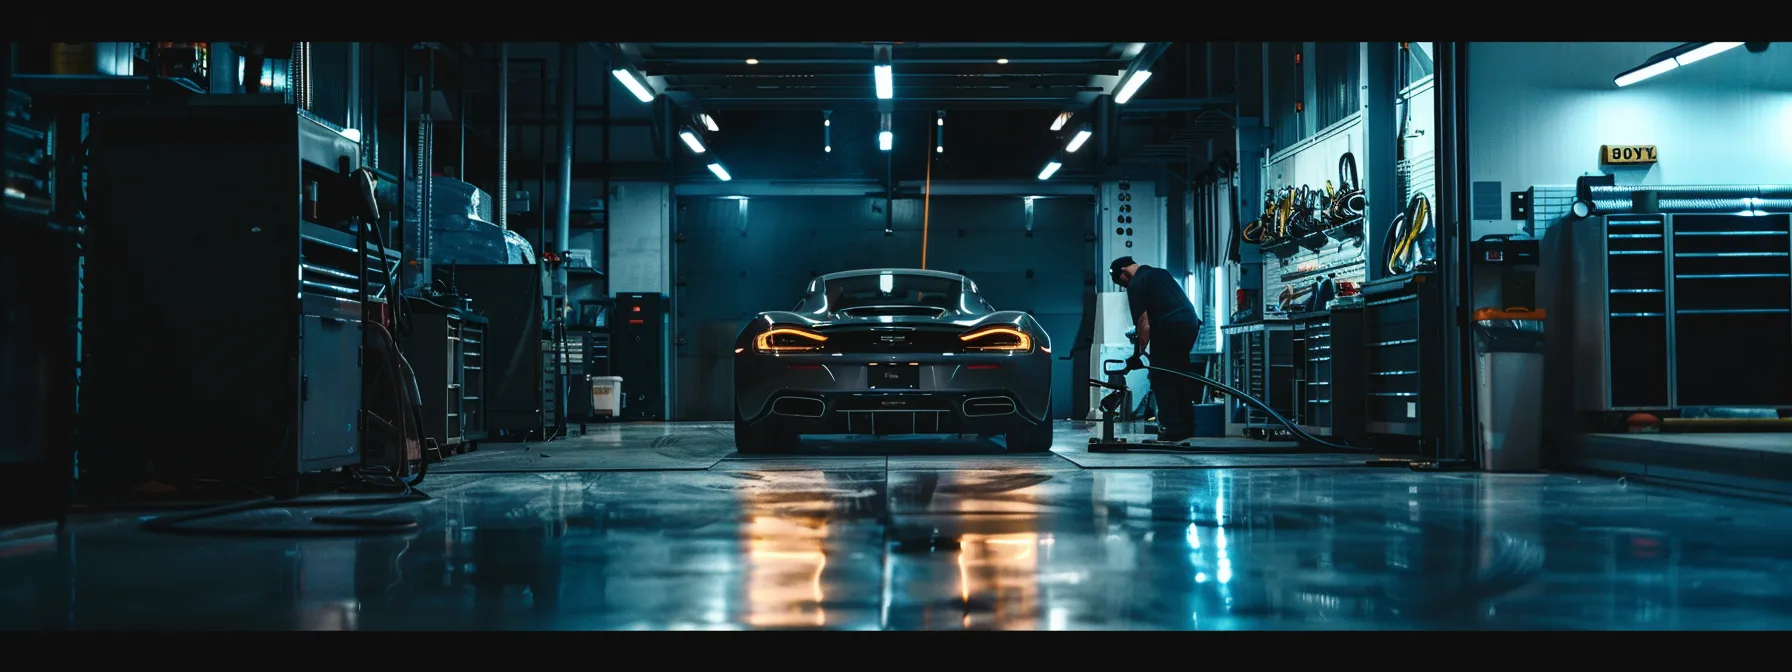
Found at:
(1110, 408)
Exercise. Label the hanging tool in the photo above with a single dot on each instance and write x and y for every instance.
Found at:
(1402, 242)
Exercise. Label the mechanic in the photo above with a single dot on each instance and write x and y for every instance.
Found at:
(1167, 322)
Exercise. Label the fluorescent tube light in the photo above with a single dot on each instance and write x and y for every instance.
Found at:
(1076, 142)
(721, 173)
(1050, 169)
(1058, 124)
(691, 140)
(1645, 72)
(633, 85)
(1704, 51)
(1131, 86)
(709, 122)
(886, 82)
(885, 140)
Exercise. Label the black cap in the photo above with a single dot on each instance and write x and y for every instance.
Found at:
(1120, 263)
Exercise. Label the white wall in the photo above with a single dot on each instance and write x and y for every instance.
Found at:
(1315, 160)
(1538, 113)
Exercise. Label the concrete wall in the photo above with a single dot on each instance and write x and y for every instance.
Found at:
(1538, 112)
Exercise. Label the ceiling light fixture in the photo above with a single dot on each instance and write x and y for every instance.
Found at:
(635, 84)
(709, 122)
(1681, 56)
(885, 79)
(1058, 123)
(1002, 61)
(885, 137)
(827, 131)
(1131, 86)
(1076, 141)
(752, 61)
(1050, 169)
(692, 140)
(721, 173)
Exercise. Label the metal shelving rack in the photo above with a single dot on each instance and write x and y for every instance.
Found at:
(1260, 360)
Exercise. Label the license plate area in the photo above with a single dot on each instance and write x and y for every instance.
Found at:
(893, 376)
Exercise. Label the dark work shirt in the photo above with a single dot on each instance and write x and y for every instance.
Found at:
(1156, 293)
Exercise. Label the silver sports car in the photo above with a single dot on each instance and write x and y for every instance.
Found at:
(892, 351)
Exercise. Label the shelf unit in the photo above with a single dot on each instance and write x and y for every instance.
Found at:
(445, 348)
(1403, 362)
(1260, 360)
(1332, 346)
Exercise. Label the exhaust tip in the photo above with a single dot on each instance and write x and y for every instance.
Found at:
(798, 407)
(977, 407)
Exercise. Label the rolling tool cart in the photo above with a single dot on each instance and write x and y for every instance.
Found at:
(1403, 320)
(1332, 369)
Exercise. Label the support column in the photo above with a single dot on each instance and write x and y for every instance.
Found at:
(1381, 147)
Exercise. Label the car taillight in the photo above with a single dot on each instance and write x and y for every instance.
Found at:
(785, 339)
(997, 339)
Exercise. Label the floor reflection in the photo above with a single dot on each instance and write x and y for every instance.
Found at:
(1005, 549)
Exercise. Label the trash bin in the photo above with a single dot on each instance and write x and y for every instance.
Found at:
(1509, 378)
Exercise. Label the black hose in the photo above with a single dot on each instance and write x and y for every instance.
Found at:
(328, 526)
(1233, 392)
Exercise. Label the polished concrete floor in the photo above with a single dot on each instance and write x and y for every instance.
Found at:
(844, 536)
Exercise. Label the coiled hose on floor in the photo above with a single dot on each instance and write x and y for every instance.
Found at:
(321, 526)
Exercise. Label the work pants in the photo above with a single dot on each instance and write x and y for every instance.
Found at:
(1169, 349)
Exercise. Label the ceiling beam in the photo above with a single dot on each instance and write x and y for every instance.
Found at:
(862, 67)
(864, 80)
(871, 104)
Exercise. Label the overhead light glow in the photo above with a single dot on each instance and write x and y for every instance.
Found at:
(827, 122)
(709, 122)
(828, 148)
(633, 85)
(1002, 61)
(886, 81)
(939, 121)
(752, 61)
(1705, 51)
(721, 173)
(1050, 169)
(886, 283)
(1077, 141)
(937, 149)
(352, 134)
(1058, 124)
(1131, 86)
(691, 140)
(1645, 72)
(885, 140)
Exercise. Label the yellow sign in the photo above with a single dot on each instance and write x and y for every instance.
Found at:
(1627, 153)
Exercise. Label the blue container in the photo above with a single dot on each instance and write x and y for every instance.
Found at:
(1210, 421)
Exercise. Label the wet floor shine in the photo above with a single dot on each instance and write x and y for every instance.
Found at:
(864, 542)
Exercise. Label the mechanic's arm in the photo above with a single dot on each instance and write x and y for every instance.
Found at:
(1144, 325)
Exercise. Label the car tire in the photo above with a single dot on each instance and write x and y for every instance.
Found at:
(766, 437)
(1026, 437)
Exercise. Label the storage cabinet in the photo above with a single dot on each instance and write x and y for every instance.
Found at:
(1403, 361)
(1672, 311)
(1332, 389)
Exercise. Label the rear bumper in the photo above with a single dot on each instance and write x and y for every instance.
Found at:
(826, 394)
(981, 412)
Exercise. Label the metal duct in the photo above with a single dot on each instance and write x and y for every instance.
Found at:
(1618, 206)
(569, 66)
(503, 135)
(1665, 192)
